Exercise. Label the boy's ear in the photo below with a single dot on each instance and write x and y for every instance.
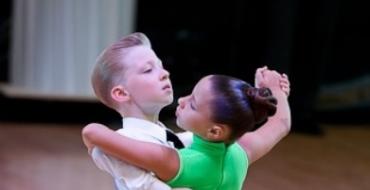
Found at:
(119, 94)
(218, 132)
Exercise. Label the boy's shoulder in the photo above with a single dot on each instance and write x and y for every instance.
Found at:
(142, 131)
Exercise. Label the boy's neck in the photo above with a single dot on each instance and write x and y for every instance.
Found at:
(146, 113)
(152, 117)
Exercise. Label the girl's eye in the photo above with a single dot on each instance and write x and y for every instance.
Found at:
(192, 106)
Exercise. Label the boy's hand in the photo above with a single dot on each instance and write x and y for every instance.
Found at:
(267, 78)
(272, 79)
(258, 78)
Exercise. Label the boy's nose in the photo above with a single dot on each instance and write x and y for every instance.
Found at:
(164, 74)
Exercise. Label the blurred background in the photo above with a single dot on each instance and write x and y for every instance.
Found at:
(48, 48)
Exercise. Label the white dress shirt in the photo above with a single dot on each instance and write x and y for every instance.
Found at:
(127, 176)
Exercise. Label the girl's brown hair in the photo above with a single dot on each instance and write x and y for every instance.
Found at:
(239, 105)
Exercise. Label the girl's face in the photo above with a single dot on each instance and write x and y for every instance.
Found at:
(146, 80)
(193, 112)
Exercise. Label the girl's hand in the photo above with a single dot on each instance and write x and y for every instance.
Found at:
(285, 84)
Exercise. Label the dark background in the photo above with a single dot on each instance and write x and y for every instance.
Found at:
(317, 43)
(238, 36)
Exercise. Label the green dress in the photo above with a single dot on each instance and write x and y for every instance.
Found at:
(210, 166)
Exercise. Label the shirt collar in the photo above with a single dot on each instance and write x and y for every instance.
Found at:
(144, 126)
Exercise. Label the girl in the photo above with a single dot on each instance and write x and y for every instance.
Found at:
(220, 111)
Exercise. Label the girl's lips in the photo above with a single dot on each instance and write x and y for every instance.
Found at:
(177, 112)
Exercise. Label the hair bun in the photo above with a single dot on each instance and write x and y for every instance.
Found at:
(262, 102)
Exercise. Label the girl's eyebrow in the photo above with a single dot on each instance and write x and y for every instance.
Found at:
(192, 98)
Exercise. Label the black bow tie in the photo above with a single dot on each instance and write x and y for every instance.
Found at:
(173, 138)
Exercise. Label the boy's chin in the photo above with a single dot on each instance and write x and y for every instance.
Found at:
(169, 101)
(164, 104)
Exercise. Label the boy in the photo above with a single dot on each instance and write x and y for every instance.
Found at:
(129, 78)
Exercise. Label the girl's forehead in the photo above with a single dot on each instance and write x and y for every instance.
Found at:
(204, 84)
(202, 90)
(203, 96)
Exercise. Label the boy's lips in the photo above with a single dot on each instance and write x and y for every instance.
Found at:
(167, 87)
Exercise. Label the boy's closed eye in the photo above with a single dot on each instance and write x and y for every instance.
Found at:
(148, 70)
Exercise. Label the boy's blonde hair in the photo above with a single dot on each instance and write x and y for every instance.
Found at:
(109, 67)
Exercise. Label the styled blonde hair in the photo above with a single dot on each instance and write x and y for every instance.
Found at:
(109, 67)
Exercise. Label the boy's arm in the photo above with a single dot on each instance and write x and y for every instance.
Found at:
(261, 141)
(125, 174)
(161, 160)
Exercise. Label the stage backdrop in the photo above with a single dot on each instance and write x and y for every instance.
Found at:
(55, 43)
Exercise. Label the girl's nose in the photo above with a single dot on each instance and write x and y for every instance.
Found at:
(181, 102)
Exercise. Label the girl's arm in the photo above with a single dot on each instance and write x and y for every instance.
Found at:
(161, 160)
(88, 144)
(259, 142)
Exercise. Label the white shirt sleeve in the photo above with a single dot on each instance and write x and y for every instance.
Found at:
(127, 177)
(185, 137)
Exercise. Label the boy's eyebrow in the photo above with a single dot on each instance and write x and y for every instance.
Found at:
(148, 62)
(160, 62)
(151, 63)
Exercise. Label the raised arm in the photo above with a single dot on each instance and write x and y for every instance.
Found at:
(161, 160)
(259, 142)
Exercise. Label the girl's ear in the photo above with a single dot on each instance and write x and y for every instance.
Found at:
(119, 94)
(218, 132)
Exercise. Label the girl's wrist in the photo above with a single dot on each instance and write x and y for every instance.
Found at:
(279, 92)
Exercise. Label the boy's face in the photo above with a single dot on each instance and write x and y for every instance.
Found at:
(146, 80)
(193, 112)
